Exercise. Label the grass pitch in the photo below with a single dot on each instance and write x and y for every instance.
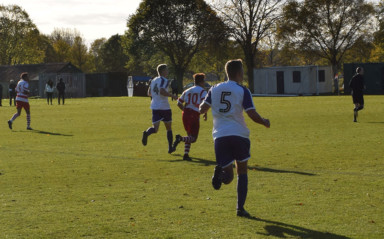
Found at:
(83, 173)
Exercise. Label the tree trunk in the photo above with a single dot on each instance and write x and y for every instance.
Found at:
(249, 61)
(179, 73)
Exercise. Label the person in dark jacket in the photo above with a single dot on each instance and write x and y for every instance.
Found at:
(12, 93)
(357, 85)
(61, 89)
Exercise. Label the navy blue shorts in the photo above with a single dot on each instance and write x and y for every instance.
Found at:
(161, 115)
(231, 148)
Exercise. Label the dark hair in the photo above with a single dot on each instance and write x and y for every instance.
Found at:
(358, 69)
(233, 67)
(24, 75)
(198, 78)
(161, 68)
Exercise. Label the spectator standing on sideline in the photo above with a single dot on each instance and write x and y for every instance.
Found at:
(161, 110)
(61, 90)
(22, 100)
(12, 93)
(49, 91)
(357, 85)
(175, 91)
(336, 84)
(228, 100)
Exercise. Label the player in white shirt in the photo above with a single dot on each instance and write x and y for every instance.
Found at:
(22, 100)
(189, 103)
(230, 133)
(161, 111)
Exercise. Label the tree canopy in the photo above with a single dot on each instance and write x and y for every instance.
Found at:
(329, 27)
(177, 28)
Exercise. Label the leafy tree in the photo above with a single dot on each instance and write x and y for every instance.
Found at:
(95, 52)
(326, 27)
(177, 29)
(377, 54)
(79, 54)
(112, 54)
(18, 36)
(249, 22)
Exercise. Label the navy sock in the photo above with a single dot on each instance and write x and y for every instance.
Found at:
(150, 131)
(242, 189)
(170, 138)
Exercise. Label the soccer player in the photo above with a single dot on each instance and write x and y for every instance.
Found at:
(161, 111)
(22, 100)
(230, 133)
(357, 86)
(189, 102)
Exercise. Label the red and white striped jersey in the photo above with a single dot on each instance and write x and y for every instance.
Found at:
(193, 97)
(21, 89)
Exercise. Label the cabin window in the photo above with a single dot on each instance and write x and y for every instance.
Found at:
(321, 76)
(296, 75)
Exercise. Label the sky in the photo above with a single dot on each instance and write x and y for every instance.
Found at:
(94, 19)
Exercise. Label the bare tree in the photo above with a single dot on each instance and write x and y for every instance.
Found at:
(249, 22)
(326, 27)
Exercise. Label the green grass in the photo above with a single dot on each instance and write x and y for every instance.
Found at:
(83, 173)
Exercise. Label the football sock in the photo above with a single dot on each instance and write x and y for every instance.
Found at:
(170, 138)
(188, 139)
(150, 131)
(187, 147)
(28, 120)
(242, 189)
(14, 117)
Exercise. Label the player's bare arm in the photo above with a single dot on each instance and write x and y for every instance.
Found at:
(205, 117)
(149, 91)
(257, 118)
(181, 106)
(165, 93)
(203, 108)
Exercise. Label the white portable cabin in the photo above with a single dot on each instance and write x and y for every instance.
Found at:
(293, 80)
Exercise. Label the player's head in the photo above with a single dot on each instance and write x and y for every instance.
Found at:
(61, 80)
(24, 76)
(162, 70)
(234, 70)
(360, 70)
(199, 79)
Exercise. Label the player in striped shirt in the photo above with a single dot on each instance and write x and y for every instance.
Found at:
(189, 103)
(161, 111)
(22, 100)
(228, 100)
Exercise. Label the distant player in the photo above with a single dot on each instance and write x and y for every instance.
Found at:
(161, 111)
(357, 85)
(230, 133)
(189, 103)
(22, 100)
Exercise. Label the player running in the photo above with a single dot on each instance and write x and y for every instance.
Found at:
(161, 111)
(22, 100)
(189, 103)
(230, 133)
(357, 85)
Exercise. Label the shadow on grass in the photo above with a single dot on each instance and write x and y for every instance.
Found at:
(271, 170)
(283, 230)
(50, 133)
(257, 168)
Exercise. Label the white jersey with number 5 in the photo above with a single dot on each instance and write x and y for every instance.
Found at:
(159, 101)
(228, 100)
(193, 97)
